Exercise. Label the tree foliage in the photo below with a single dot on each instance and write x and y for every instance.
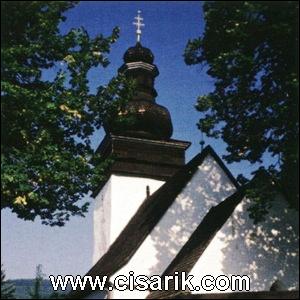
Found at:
(7, 288)
(251, 50)
(48, 113)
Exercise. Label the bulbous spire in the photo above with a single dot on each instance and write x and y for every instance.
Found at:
(149, 120)
(138, 53)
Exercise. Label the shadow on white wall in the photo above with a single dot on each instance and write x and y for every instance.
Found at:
(266, 251)
(208, 187)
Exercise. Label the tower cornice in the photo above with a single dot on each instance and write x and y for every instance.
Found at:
(139, 65)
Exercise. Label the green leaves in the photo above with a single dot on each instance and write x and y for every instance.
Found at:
(47, 124)
(254, 106)
(7, 288)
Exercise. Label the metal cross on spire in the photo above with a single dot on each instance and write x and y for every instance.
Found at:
(138, 25)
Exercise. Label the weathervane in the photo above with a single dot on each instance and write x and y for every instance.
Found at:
(138, 25)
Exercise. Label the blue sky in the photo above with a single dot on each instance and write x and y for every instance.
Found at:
(168, 26)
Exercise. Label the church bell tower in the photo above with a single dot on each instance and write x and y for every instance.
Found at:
(144, 154)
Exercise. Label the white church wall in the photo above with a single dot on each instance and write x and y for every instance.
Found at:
(115, 204)
(208, 187)
(101, 218)
(265, 252)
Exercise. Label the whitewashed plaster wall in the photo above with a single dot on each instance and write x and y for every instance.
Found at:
(208, 187)
(265, 252)
(115, 204)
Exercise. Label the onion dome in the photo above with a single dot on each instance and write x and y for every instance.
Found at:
(146, 118)
(138, 53)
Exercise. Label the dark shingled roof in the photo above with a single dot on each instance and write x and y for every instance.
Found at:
(145, 219)
(199, 240)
